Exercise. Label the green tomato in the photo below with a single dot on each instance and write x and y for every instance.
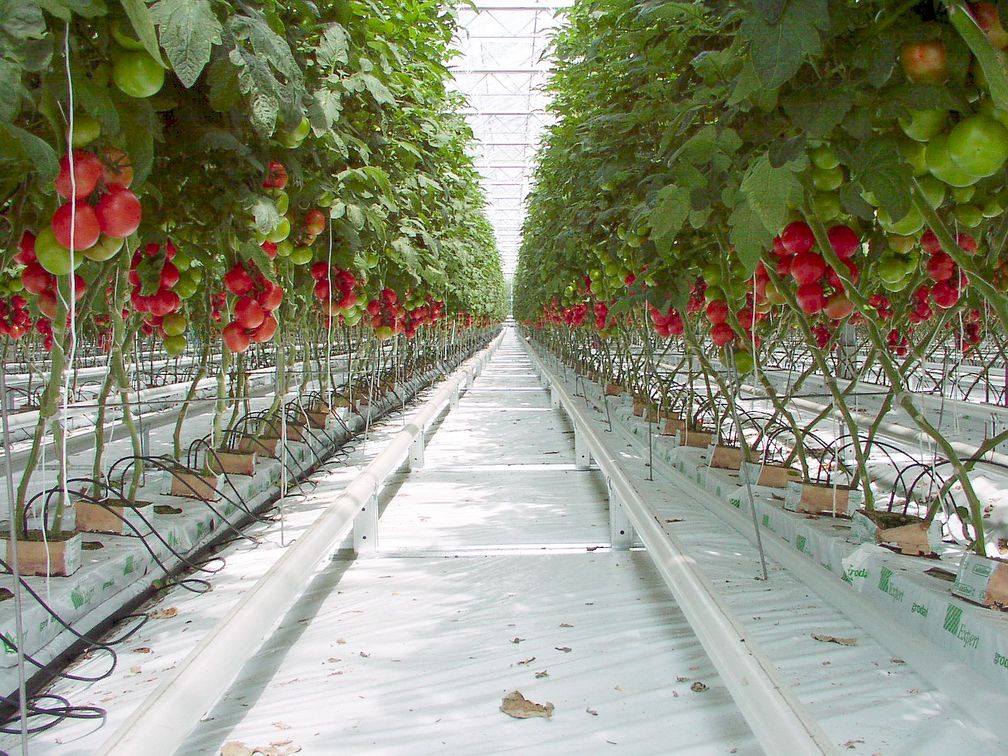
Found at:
(827, 180)
(281, 232)
(352, 317)
(991, 207)
(301, 255)
(104, 249)
(827, 205)
(924, 125)
(292, 139)
(52, 255)
(285, 248)
(182, 261)
(714, 293)
(913, 152)
(934, 190)
(910, 223)
(901, 244)
(978, 145)
(174, 324)
(281, 199)
(137, 74)
(194, 274)
(175, 345)
(712, 274)
(824, 157)
(988, 108)
(941, 166)
(963, 194)
(969, 215)
(743, 361)
(124, 40)
(85, 130)
(373, 258)
(891, 268)
(185, 288)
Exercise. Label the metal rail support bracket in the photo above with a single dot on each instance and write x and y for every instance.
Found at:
(365, 527)
(416, 455)
(621, 531)
(582, 452)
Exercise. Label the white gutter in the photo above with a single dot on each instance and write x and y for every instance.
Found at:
(165, 718)
(776, 716)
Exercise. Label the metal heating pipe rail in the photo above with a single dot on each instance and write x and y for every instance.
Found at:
(166, 717)
(778, 720)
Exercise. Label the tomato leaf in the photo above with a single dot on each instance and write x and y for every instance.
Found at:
(37, 152)
(670, 212)
(770, 9)
(96, 101)
(143, 25)
(379, 91)
(771, 193)
(778, 49)
(880, 169)
(818, 113)
(21, 20)
(11, 91)
(264, 214)
(749, 235)
(189, 30)
(333, 47)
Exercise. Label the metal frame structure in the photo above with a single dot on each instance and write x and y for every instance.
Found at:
(502, 70)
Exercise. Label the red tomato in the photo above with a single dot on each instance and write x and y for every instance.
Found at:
(86, 226)
(797, 237)
(237, 281)
(247, 313)
(118, 212)
(235, 338)
(264, 332)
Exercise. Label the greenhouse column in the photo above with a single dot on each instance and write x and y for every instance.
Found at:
(620, 529)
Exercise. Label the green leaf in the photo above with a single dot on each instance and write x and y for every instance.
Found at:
(748, 234)
(879, 168)
(139, 124)
(35, 151)
(669, 212)
(266, 44)
(778, 49)
(818, 113)
(770, 9)
(143, 25)
(882, 59)
(21, 19)
(11, 90)
(264, 214)
(771, 192)
(189, 30)
(379, 91)
(253, 253)
(224, 92)
(333, 47)
(96, 102)
(65, 10)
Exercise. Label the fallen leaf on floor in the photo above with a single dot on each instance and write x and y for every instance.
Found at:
(340, 642)
(235, 748)
(698, 687)
(514, 704)
(281, 725)
(526, 662)
(852, 744)
(591, 711)
(143, 650)
(516, 639)
(564, 624)
(364, 654)
(135, 669)
(679, 678)
(565, 649)
(542, 674)
(676, 519)
(834, 639)
(168, 613)
(897, 660)
(238, 748)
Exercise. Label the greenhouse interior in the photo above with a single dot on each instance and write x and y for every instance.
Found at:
(531, 376)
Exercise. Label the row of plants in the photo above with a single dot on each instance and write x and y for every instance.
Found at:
(234, 184)
(726, 182)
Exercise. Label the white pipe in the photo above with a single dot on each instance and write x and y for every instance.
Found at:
(164, 719)
(774, 714)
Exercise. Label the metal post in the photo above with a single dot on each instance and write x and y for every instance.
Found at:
(620, 529)
(582, 453)
(453, 402)
(365, 527)
(554, 397)
(416, 458)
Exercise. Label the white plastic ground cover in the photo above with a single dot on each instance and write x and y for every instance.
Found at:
(936, 691)
(184, 696)
(123, 568)
(180, 618)
(413, 652)
(899, 585)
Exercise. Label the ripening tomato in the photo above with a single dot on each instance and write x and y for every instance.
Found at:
(265, 330)
(237, 281)
(811, 298)
(117, 169)
(36, 279)
(87, 169)
(247, 313)
(315, 221)
(721, 334)
(106, 248)
(925, 62)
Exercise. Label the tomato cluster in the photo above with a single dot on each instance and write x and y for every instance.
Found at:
(15, 319)
(162, 308)
(256, 299)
